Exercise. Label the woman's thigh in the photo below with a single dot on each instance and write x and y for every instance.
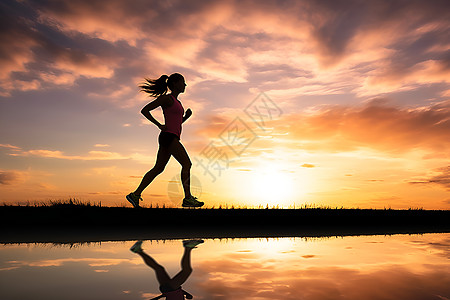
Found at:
(162, 157)
(179, 152)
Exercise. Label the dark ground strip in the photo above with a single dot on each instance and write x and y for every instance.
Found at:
(94, 224)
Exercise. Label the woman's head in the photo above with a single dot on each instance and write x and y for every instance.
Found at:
(158, 87)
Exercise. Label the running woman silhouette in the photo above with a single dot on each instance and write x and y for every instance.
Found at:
(170, 287)
(169, 138)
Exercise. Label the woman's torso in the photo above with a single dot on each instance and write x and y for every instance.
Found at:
(173, 116)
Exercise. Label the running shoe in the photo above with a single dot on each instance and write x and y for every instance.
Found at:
(192, 202)
(134, 199)
(192, 243)
(137, 247)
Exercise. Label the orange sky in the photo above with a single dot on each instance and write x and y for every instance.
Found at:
(330, 103)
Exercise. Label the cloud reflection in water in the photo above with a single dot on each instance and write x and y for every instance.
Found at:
(373, 267)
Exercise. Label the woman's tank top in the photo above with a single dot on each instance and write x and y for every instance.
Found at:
(173, 117)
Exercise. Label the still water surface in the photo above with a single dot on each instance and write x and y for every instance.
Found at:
(365, 267)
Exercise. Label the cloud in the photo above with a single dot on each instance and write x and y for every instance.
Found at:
(308, 166)
(442, 178)
(339, 26)
(234, 41)
(92, 155)
(391, 76)
(377, 125)
(107, 22)
(35, 54)
(101, 145)
(10, 177)
(441, 248)
(9, 146)
(15, 48)
(224, 280)
(92, 262)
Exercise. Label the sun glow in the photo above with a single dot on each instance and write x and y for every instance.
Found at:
(273, 186)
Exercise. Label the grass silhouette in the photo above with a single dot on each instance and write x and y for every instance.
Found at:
(73, 202)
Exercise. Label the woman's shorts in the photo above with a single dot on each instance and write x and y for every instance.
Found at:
(167, 289)
(166, 138)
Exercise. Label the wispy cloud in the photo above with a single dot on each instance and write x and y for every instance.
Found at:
(442, 178)
(101, 145)
(266, 281)
(376, 124)
(10, 177)
(92, 155)
(308, 166)
(92, 262)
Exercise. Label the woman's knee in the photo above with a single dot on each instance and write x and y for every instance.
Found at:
(186, 167)
(159, 269)
(158, 169)
(187, 270)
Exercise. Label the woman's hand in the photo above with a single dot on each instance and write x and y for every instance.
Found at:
(162, 127)
(187, 114)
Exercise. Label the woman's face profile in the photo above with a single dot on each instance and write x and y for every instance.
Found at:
(180, 85)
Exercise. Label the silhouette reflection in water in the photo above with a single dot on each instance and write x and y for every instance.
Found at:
(170, 287)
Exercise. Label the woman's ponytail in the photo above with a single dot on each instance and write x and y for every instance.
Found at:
(156, 87)
(159, 86)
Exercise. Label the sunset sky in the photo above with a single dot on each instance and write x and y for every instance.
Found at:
(352, 101)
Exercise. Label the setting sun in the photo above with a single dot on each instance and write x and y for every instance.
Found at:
(272, 186)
